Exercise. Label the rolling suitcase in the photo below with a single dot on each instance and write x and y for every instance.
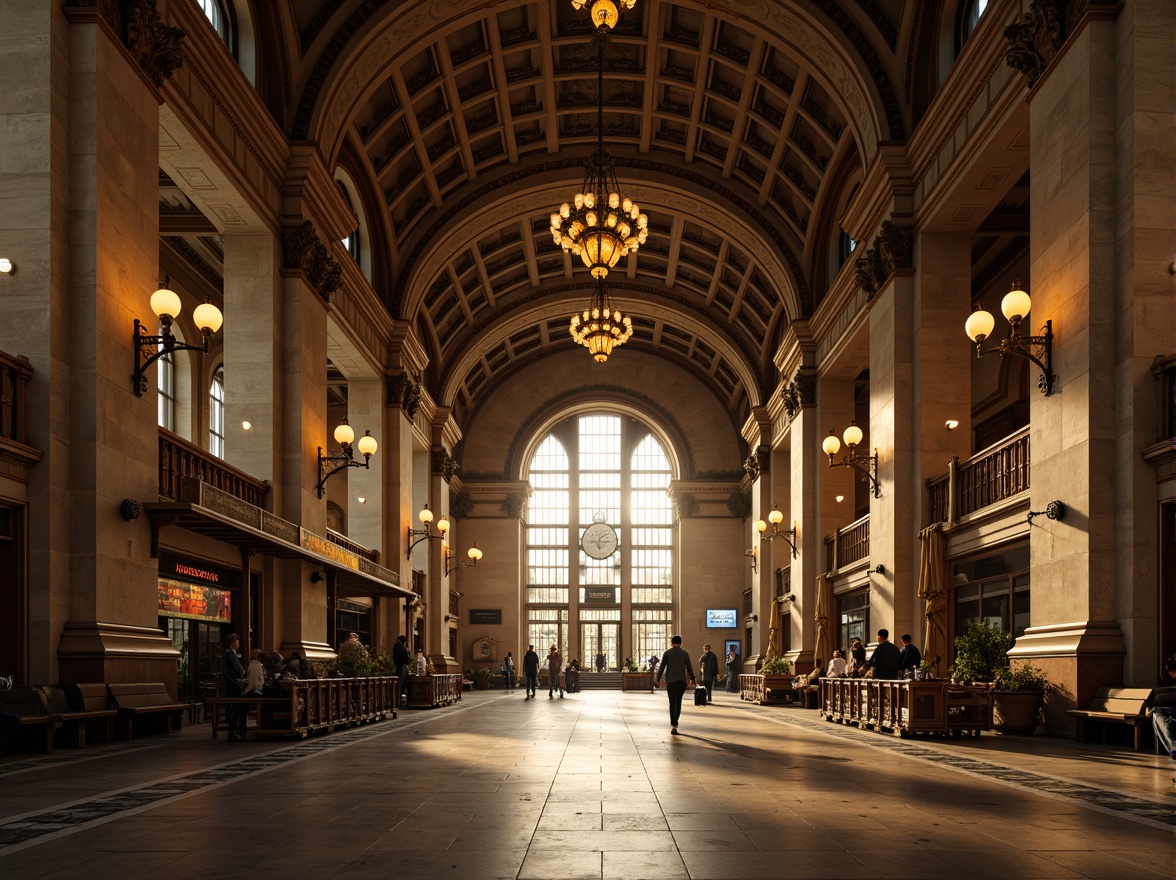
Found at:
(700, 696)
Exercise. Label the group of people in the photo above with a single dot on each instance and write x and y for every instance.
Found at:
(887, 662)
(266, 675)
(554, 662)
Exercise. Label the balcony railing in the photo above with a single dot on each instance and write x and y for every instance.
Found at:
(358, 549)
(848, 545)
(988, 477)
(14, 395)
(179, 459)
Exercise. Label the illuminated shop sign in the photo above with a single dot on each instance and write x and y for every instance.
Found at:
(179, 599)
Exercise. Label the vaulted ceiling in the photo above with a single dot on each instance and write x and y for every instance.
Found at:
(737, 125)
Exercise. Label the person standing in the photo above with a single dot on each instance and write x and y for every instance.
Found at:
(1162, 712)
(531, 671)
(402, 658)
(732, 669)
(909, 657)
(600, 662)
(675, 668)
(422, 665)
(884, 660)
(508, 672)
(554, 667)
(857, 658)
(708, 668)
(233, 675)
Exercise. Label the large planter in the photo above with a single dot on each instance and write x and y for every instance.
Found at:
(1016, 711)
(637, 681)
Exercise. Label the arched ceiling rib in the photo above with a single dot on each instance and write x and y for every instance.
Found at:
(473, 119)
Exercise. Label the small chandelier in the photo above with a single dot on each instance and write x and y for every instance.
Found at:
(600, 225)
(600, 328)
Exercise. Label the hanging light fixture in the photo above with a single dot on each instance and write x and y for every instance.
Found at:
(600, 225)
(600, 328)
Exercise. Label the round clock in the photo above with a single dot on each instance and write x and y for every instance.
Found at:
(599, 541)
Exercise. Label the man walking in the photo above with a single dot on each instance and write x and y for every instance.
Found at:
(732, 669)
(708, 668)
(676, 669)
(531, 671)
(554, 667)
(909, 657)
(884, 660)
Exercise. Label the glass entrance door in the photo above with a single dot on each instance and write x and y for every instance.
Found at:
(600, 638)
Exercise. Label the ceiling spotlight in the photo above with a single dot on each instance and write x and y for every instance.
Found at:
(247, 426)
(839, 498)
(6, 266)
(361, 499)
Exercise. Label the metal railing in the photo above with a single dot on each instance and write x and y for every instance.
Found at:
(356, 548)
(179, 459)
(14, 394)
(988, 477)
(848, 545)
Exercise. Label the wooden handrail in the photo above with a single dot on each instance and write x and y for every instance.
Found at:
(179, 459)
(848, 545)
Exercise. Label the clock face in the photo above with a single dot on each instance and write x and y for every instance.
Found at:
(600, 541)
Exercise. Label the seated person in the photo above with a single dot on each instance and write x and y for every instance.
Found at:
(254, 675)
(836, 666)
(800, 682)
(1163, 710)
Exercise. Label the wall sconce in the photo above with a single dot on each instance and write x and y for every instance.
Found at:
(878, 569)
(951, 424)
(166, 304)
(1053, 510)
(754, 554)
(867, 464)
(7, 266)
(316, 577)
(1039, 349)
(450, 557)
(329, 465)
(425, 533)
(775, 518)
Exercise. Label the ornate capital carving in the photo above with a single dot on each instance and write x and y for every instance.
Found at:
(757, 463)
(445, 464)
(1035, 39)
(800, 392)
(685, 506)
(894, 244)
(405, 393)
(515, 504)
(157, 47)
(302, 251)
(869, 272)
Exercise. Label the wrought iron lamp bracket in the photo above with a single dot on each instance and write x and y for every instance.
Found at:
(866, 464)
(1038, 349)
(164, 344)
(329, 465)
(1054, 510)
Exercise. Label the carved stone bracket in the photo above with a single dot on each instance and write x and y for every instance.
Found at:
(757, 463)
(156, 46)
(405, 393)
(685, 506)
(799, 393)
(302, 251)
(1035, 40)
(445, 464)
(893, 249)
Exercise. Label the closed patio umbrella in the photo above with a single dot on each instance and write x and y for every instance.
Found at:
(823, 647)
(773, 628)
(933, 592)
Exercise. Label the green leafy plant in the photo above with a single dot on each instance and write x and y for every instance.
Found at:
(630, 666)
(1022, 677)
(480, 677)
(356, 665)
(739, 503)
(776, 666)
(981, 652)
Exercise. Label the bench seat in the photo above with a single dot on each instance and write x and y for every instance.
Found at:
(83, 714)
(147, 700)
(1125, 706)
(29, 704)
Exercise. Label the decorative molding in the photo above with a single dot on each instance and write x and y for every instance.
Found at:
(1035, 40)
(892, 251)
(757, 463)
(685, 506)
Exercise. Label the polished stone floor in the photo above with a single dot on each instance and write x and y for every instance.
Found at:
(592, 786)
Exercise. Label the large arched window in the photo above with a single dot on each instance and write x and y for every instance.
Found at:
(970, 14)
(610, 474)
(215, 13)
(216, 414)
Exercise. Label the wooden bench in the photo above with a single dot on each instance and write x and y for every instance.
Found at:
(80, 710)
(149, 702)
(1126, 706)
(29, 704)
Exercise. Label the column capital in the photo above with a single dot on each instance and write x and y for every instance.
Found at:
(309, 192)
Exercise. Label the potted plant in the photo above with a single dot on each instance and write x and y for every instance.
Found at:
(981, 652)
(777, 674)
(480, 677)
(1017, 696)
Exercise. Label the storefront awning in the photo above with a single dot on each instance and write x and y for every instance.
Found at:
(208, 511)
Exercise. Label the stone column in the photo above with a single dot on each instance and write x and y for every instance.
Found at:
(805, 503)
(88, 141)
(1100, 235)
(758, 434)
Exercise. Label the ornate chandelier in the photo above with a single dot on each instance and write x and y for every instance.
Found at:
(600, 328)
(600, 225)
